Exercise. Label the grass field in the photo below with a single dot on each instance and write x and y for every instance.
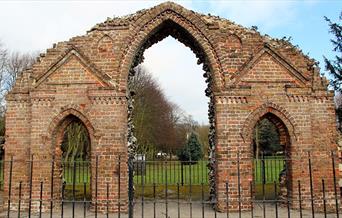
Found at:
(171, 172)
(271, 167)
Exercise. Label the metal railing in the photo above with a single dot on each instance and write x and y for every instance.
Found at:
(168, 188)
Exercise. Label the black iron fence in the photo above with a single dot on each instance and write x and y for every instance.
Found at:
(170, 188)
(1, 175)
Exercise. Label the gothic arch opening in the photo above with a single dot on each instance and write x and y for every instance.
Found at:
(171, 28)
(72, 152)
(271, 146)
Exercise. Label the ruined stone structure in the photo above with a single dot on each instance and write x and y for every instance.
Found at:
(250, 76)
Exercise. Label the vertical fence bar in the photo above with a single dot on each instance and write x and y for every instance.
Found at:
(202, 199)
(130, 188)
(84, 199)
(73, 188)
(41, 199)
(19, 202)
(197, 174)
(275, 198)
(263, 173)
(83, 171)
(182, 174)
(300, 199)
(51, 187)
(335, 184)
(107, 202)
(178, 202)
(119, 187)
(87, 169)
(324, 200)
(10, 188)
(31, 179)
(239, 182)
(96, 182)
(79, 171)
(154, 200)
(63, 195)
(174, 172)
(287, 174)
(166, 193)
(252, 203)
(227, 200)
(190, 191)
(142, 190)
(153, 168)
(311, 188)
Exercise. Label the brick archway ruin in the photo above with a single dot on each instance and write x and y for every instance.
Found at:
(248, 75)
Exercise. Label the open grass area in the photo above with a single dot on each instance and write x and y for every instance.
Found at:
(268, 168)
(170, 172)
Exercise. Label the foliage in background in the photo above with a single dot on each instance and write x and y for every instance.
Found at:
(154, 116)
(160, 125)
(12, 64)
(334, 67)
(338, 105)
(192, 150)
(76, 143)
(266, 138)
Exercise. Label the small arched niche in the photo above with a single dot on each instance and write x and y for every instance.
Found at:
(72, 153)
(271, 153)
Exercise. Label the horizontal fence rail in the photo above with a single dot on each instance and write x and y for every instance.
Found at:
(117, 187)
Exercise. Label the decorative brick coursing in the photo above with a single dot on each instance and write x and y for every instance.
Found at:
(251, 77)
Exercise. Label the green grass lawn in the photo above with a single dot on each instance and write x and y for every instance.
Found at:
(271, 167)
(172, 172)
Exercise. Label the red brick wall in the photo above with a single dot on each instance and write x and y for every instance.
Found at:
(252, 75)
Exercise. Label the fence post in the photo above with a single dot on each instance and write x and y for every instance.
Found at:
(182, 174)
(130, 188)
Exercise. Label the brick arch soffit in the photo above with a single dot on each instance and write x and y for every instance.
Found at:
(277, 113)
(189, 33)
(59, 118)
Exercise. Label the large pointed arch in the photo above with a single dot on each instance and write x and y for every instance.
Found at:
(183, 25)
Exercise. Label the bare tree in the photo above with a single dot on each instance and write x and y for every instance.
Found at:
(11, 66)
(155, 117)
(17, 63)
(3, 73)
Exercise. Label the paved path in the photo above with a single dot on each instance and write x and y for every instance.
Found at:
(173, 212)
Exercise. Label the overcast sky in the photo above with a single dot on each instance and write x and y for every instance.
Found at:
(29, 26)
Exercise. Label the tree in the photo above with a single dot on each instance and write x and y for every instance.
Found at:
(203, 133)
(76, 142)
(338, 105)
(266, 138)
(11, 66)
(334, 67)
(154, 117)
(192, 150)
